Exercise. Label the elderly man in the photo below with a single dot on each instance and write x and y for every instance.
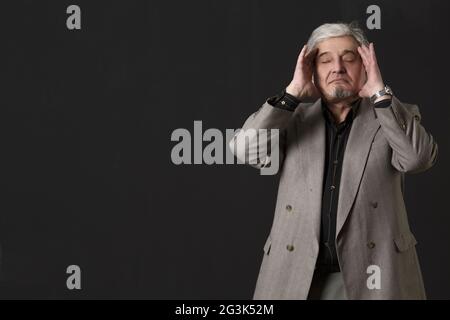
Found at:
(340, 229)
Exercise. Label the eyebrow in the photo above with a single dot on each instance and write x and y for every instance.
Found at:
(348, 51)
(344, 52)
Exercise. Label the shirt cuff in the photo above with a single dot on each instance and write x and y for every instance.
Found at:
(386, 103)
(284, 101)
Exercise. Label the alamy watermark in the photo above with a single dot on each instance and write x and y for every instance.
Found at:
(374, 279)
(257, 147)
(73, 281)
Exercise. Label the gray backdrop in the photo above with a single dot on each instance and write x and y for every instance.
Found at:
(87, 115)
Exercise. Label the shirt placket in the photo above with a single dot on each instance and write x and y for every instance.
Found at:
(335, 145)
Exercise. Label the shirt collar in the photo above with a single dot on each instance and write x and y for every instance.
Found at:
(350, 116)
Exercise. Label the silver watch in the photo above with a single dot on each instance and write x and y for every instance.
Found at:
(385, 91)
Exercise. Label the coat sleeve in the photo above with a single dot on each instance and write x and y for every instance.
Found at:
(413, 148)
(253, 143)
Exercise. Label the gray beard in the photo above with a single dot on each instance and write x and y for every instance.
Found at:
(341, 93)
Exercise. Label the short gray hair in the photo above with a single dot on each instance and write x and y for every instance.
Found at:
(332, 30)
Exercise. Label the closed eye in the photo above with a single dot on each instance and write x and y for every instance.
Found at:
(349, 57)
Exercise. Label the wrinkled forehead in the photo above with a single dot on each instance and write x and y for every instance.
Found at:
(339, 45)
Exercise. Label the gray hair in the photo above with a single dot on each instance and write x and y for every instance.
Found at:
(332, 30)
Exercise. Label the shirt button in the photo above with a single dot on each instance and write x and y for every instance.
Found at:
(290, 247)
(332, 187)
(289, 208)
(371, 245)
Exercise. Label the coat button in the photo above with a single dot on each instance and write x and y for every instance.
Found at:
(371, 245)
(289, 208)
(374, 204)
(290, 247)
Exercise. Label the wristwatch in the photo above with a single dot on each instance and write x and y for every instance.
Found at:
(385, 91)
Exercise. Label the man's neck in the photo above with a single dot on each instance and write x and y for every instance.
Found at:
(340, 109)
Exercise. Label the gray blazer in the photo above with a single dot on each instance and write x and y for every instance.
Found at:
(372, 223)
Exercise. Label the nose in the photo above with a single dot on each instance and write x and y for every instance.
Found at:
(338, 67)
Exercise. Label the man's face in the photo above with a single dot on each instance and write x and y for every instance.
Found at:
(339, 71)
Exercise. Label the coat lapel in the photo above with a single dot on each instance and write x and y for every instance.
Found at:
(357, 150)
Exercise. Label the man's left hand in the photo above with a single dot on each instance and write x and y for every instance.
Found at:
(374, 81)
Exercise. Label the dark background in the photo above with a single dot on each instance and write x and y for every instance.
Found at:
(85, 125)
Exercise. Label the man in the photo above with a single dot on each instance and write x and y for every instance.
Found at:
(340, 229)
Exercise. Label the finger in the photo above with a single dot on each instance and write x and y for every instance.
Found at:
(299, 62)
(368, 54)
(311, 55)
(372, 52)
(363, 56)
(304, 49)
(362, 51)
(301, 55)
(366, 50)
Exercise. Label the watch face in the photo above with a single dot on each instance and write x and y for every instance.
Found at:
(388, 90)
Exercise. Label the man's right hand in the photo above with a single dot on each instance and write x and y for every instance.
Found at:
(301, 85)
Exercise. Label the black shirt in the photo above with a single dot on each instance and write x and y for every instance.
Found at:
(335, 145)
(336, 141)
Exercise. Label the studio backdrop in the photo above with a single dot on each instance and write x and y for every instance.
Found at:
(95, 96)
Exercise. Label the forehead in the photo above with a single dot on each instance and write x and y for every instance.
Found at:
(337, 44)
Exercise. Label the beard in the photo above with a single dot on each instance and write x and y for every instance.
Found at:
(341, 93)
